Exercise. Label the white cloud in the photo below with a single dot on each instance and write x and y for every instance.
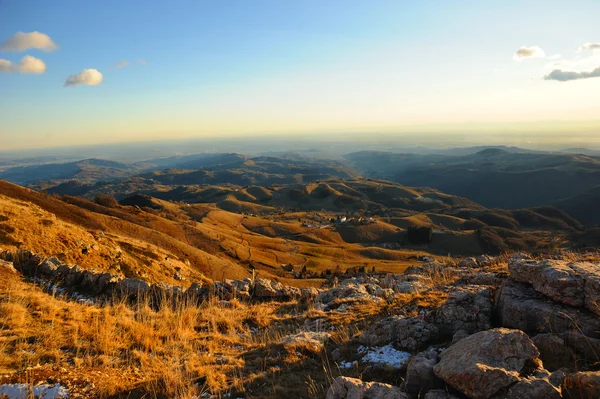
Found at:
(565, 76)
(90, 77)
(142, 62)
(122, 64)
(21, 41)
(27, 65)
(589, 47)
(528, 52)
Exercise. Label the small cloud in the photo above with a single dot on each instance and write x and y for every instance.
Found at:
(122, 64)
(89, 77)
(142, 62)
(27, 65)
(528, 52)
(565, 76)
(589, 47)
(21, 41)
(555, 57)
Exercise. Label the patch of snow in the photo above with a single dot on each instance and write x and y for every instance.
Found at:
(384, 355)
(42, 391)
(348, 365)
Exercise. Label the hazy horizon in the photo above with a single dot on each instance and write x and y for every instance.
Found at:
(512, 73)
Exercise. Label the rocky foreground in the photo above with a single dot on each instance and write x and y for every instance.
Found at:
(528, 329)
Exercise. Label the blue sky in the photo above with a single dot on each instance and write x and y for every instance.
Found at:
(238, 68)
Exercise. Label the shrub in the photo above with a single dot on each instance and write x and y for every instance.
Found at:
(106, 200)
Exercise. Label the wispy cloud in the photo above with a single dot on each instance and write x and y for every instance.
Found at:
(565, 76)
(525, 53)
(122, 64)
(27, 65)
(143, 62)
(89, 77)
(22, 41)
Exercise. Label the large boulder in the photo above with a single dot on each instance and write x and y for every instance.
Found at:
(467, 308)
(487, 362)
(533, 388)
(571, 283)
(420, 377)
(406, 333)
(520, 306)
(353, 388)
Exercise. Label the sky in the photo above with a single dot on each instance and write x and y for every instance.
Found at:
(80, 73)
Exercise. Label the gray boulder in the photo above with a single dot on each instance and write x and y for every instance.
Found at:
(467, 308)
(487, 362)
(132, 287)
(406, 333)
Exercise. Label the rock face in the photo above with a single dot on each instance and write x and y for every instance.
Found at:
(420, 377)
(572, 283)
(406, 333)
(468, 308)
(353, 388)
(520, 306)
(484, 363)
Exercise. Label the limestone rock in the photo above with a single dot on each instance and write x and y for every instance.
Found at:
(406, 333)
(520, 306)
(486, 362)
(571, 283)
(467, 308)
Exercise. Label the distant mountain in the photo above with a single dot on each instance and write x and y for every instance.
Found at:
(493, 177)
(87, 170)
(583, 151)
(585, 207)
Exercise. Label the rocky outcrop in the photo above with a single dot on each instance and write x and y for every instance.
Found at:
(353, 388)
(420, 377)
(571, 283)
(483, 364)
(522, 307)
(406, 333)
(467, 308)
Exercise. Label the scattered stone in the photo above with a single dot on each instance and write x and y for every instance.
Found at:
(486, 362)
(353, 388)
